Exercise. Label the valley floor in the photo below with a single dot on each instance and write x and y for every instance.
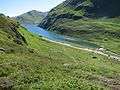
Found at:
(44, 65)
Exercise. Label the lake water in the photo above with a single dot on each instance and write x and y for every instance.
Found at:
(60, 38)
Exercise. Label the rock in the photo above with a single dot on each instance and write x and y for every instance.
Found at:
(2, 49)
(20, 38)
(6, 84)
(69, 16)
(94, 57)
(31, 50)
(66, 64)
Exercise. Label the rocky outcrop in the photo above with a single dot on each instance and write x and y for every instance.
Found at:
(11, 28)
(69, 16)
(48, 21)
(20, 38)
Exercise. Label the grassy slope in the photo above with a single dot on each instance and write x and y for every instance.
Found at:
(40, 65)
(103, 30)
(104, 33)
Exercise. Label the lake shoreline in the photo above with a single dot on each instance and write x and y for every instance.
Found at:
(69, 41)
(61, 38)
(97, 51)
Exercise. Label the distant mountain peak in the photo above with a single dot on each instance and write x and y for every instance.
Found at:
(31, 17)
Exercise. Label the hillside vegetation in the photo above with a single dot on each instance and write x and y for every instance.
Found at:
(29, 62)
(94, 20)
(31, 17)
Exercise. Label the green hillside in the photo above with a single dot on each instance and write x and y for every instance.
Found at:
(94, 20)
(31, 17)
(29, 62)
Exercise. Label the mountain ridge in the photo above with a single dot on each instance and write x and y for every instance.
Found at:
(93, 20)
(30, 17)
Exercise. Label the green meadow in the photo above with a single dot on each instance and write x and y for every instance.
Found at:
(44, 65)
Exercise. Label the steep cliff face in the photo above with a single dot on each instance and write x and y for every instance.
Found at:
(96, 20)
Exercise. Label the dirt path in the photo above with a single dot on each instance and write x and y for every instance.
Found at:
(85, 49)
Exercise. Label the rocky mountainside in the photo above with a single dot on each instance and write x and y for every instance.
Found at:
(95, 20)
(31, 17)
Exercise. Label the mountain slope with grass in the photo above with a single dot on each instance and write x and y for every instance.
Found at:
(8, 31)
(94, 20)
(30, 62)
(31, 17)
